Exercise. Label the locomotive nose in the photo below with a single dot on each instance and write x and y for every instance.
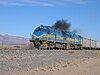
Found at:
(38, 34)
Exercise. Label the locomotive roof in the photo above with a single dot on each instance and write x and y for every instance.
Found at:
(50, 30)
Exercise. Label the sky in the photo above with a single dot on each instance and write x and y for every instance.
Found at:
(21, 17)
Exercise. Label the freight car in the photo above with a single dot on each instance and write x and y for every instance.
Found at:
(47, 37)
(90, 44)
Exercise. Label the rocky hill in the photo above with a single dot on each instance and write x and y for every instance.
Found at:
(12, 40)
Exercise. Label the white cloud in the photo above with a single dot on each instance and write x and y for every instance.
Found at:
(79, 1)
(24, 3)
(41, 2)
(64, 2)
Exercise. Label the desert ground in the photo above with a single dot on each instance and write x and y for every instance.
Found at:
(49, 62)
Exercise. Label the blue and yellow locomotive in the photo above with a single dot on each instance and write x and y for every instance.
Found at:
(47, 37)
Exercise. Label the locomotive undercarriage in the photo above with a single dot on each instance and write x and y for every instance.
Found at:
(54, 45)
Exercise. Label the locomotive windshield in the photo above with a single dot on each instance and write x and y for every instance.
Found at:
(43, 29)
(39, 28)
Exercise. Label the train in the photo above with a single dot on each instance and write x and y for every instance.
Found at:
(47, 37)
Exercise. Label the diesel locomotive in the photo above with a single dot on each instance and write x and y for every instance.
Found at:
(47, 37)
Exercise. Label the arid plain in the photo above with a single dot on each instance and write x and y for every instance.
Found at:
(49, 62)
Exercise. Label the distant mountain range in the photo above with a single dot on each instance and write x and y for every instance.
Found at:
(12, 40)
